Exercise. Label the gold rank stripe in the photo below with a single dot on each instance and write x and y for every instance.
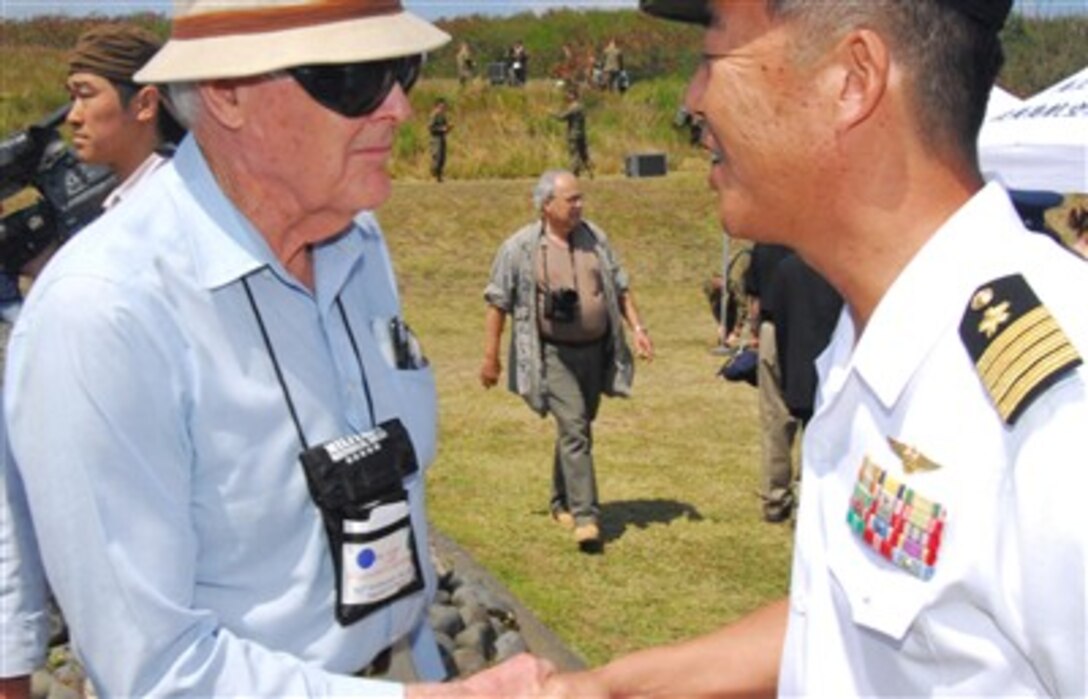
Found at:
(1008, 403)
(1022, 357)
(1030, 350)
(1023, 331)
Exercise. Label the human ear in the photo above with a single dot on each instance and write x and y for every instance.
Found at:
(146, 103)
(221, 102)
(863, 65)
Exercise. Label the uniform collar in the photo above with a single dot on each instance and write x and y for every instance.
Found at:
(929, 296)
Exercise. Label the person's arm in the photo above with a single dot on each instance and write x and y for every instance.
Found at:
(494, 321)
(643, 344)
(23, 614)
(739, 660)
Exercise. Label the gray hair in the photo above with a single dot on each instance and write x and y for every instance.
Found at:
(184, 103)
(544, 191)
(951, 61)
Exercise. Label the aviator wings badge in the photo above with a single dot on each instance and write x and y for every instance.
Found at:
(913, 460)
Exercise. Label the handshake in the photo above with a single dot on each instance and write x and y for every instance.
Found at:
(521, 676)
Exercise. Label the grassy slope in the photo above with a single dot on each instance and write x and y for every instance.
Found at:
(677, 463)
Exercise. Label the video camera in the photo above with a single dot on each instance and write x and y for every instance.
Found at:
(70, 192)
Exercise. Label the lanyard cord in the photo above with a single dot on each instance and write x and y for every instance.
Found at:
(279, 371)
(359, 359)
(570, 249)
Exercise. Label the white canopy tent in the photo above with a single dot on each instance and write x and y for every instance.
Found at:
(1043, 142)
(1001, 101)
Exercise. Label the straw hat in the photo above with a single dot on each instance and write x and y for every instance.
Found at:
(237, 38)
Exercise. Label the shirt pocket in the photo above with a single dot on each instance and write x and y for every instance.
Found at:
(419, 410)
(881, 596)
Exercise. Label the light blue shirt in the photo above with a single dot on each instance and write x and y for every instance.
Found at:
(160, 458)
(25, 628)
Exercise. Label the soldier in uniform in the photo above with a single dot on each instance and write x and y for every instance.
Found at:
(438, 127)
(613, 65)
(577, 145)
(466, 65)
(941, 537)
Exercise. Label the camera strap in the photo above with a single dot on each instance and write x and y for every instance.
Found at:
(357, 483)
(570, 249)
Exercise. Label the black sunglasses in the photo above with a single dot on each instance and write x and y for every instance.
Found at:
(356, 89)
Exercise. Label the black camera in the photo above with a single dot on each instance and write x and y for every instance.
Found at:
(70, 193)
(561, 305)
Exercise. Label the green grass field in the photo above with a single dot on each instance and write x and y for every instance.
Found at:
(677, 463)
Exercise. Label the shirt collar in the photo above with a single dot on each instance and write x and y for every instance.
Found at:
(227, 247)
(931, 292)
(150, 164)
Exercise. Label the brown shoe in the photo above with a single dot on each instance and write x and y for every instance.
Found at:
(564, 518)
(588, 537)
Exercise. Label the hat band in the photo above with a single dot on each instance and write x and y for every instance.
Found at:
(231, 22)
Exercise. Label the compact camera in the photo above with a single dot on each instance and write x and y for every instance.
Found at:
(561, 305)
(70, 193)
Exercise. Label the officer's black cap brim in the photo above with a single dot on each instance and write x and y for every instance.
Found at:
(691, 11)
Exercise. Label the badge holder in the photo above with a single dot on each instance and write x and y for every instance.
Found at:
(357, 483)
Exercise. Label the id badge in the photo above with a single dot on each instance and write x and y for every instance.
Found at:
(378, 556)
(357, 481)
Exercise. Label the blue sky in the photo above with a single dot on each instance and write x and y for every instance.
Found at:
(432, 9)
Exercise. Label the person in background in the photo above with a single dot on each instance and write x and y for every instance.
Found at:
(778, 428)
(114, 121)
(438, 127)
(224, 454)
(941, 539)
(613, 65)
(574, 114)
(807, 309)
(518, 62)
(562, 282)
(466, 64)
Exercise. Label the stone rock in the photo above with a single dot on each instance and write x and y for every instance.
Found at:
(509, 644)
(468, 661)
(446, 620)
(474, 613)
(478, 637)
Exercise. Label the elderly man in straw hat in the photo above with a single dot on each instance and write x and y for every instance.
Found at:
(221, 417)
(942, 537)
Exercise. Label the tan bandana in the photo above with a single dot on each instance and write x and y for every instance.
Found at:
(113, 51)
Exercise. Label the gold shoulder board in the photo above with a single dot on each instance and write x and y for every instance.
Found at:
(1017, 346)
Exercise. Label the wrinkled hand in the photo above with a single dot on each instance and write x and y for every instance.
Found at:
(490, 372)
(523, 675)
(575, 685)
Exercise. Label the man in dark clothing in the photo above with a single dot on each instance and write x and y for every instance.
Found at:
(805, 313)
(438, 127)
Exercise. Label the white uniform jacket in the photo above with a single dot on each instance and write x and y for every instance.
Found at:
(943, 530)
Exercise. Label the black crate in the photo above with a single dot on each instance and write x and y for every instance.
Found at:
(496, 73)
(646, 165)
